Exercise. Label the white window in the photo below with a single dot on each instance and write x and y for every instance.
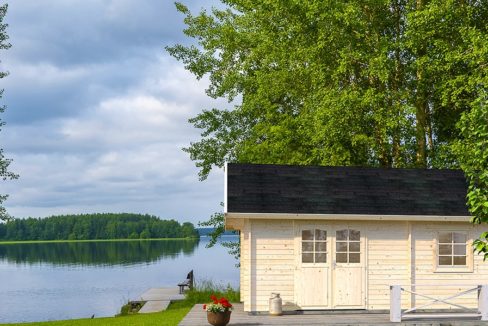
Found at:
(451, 249)
(314, 246)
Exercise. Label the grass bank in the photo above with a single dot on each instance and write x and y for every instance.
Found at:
(93, 240)
(170, 317)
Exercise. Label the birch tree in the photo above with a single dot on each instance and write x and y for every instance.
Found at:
(4, 162)
(358, 82)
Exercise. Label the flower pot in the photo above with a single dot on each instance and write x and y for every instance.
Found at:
(218, 318)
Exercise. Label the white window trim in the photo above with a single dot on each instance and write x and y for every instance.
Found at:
(468, 268)
(315, 264)
(348, 252)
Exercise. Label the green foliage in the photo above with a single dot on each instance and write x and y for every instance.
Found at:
(203, 290)
(360, 82)
(4, 162)
(131, 308)
(217, 222)
(125, 310)
(95, 226)
(375, 83)
(472, 151)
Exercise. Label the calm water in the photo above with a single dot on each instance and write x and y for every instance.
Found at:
(78, 279)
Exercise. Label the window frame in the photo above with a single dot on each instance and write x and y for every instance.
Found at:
(348, 242)
(468, 268)
(314, 242)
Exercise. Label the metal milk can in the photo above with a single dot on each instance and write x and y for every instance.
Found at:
(275, 305)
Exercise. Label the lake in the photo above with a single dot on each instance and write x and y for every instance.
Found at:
(52, 281)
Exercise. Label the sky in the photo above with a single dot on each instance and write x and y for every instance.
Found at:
(97, 111)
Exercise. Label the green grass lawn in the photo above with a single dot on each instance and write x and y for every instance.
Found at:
(170, 317)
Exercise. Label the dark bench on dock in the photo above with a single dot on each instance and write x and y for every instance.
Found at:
(187, 283)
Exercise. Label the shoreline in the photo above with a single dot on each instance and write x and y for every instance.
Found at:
(90, 240)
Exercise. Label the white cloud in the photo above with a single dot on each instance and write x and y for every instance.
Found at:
(46, 74)
(122, 155)
(125, 121)
(98, 112)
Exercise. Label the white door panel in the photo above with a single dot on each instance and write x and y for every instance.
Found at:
(330, 271)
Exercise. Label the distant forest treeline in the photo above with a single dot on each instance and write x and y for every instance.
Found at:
(95, 226)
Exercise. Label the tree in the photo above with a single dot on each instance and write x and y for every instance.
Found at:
(95, 226)
(217, 222)
(188, 230)
(358, 82)
(4, 162)
(472, 151)
(376, 83)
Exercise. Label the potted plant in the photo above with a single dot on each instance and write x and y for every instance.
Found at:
(218, 312)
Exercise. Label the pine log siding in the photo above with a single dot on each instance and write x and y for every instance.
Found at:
(272, 265)
(245, 261)
(428, 276)
(397, 252)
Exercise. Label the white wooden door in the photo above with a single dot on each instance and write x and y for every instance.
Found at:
(348, 269)
(331, 271)
(313, 268)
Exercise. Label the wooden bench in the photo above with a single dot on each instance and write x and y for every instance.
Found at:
(187, 283)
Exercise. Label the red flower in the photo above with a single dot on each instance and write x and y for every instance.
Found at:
(204, 307)
(214, 298)
(226, 304)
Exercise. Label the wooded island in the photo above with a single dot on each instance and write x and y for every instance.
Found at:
(95, 226)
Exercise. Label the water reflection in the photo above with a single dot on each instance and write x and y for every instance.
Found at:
(97, 253)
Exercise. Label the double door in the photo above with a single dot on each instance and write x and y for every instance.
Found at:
(330, 271)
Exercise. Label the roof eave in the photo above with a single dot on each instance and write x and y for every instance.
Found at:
(233, 220)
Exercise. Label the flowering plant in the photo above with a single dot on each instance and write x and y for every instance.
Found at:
(218, 305)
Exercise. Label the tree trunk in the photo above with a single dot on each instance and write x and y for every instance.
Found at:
(421, 107)
(396, 89)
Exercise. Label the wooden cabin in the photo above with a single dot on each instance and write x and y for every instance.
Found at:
(338, 237)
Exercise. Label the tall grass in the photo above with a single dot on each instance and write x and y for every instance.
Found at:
(202, 291)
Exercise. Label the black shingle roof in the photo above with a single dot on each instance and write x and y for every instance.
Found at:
(256, 188)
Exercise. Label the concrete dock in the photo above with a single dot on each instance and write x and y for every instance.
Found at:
(158, 299)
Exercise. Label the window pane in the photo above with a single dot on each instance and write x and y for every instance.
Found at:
(354, 246)
(354, 235)
(354, 258)
(307, 235)
(460, 249)
(341, 246)
(307, 258)
(445, 237)
(459, 237)
(321, 246)
(320, 235)
(341, 235)
(341, 258)
(307, 246)
(445, 260)
(461, 260)
(321, 258)
(445, 249)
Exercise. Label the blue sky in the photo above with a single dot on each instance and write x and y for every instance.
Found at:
(97, 111)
